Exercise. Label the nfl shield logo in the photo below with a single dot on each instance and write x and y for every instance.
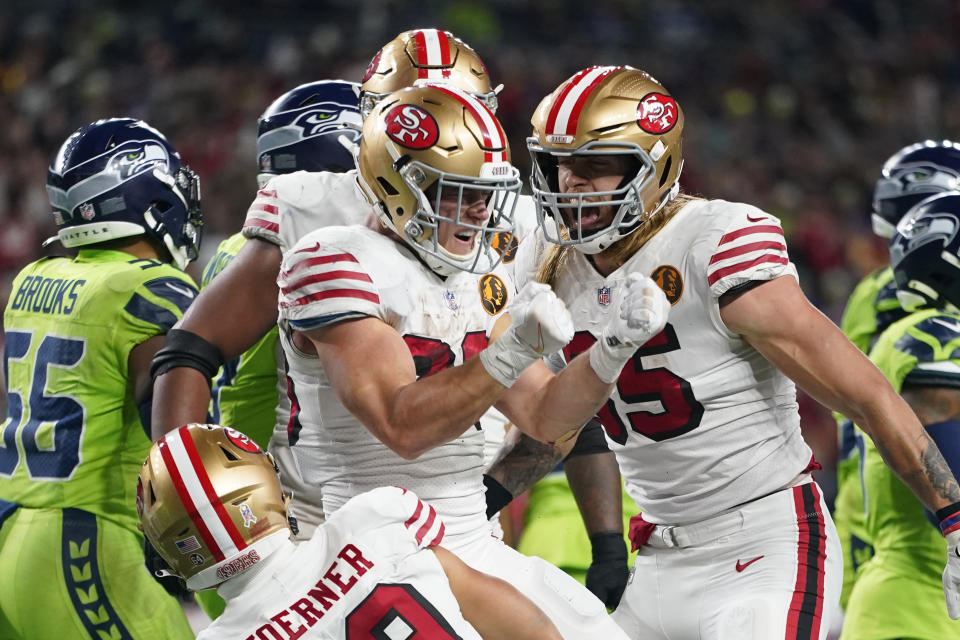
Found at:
(603, 296)
(86, 211)
(451, 300)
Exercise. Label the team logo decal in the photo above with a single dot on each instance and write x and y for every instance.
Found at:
(86, 211)
(372, 67)
(135, 160)
(657, 113)
(603, 296)
(242, 440)
(493, 294)
(410, 126)
(451, 300)
(318, 120)
(668, 278)
(248, 518)
(505, 243)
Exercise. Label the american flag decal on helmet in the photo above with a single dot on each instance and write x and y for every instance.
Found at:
(433, 50)
(565, 112)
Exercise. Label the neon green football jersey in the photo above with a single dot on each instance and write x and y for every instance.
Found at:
(245, 392)
(899, 591)
(872, 307)
(73, 435)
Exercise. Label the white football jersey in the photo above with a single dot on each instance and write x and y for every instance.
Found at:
(699, 420)
(363, 574)
(340, 273)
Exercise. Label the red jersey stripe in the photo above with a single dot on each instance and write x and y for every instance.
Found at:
(747, 248)
(745, 231)
(263, 206)
(325, 277)
(426, 526)
(332, 293)
(312, 262)
(263, 224)
(439, 537)
(415, 516)
(743, 266)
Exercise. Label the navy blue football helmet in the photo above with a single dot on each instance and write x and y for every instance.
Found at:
(912, 174)
(313, 127)
(118, 178)
(925, 253)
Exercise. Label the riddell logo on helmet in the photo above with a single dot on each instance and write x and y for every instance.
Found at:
(657, 113)
(556, 138)
(410, 126)
(238, 565)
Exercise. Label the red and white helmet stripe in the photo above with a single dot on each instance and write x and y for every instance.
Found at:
(196, 492)
(566, 109)
(490, 129)
(433, 50)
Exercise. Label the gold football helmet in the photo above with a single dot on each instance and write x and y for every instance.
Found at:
(423, 145)
(425, 55)
(210, 502)
(606, 111)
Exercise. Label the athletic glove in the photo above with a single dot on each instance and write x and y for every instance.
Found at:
(539, 325)
(608, 572)
(160, 570)
(642, 314)
(951, 575)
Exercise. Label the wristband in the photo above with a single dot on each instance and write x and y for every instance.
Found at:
(608, 360)
(497, 495)
(608, 545)
(949, 518)
(183, 348)
(506, 358)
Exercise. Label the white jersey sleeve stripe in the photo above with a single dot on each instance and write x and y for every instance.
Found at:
(326, 276)
(747, 248)
(263, 212)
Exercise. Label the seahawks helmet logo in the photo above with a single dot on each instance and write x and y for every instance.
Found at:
(134, 159)
(317, 121)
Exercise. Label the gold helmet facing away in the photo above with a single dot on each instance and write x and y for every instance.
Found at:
(210, 502)
(428, 155)
(425, 55)
(606, 111)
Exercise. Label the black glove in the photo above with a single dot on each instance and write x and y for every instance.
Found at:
(607, 575)
(154, 562)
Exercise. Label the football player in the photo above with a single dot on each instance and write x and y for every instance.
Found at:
(239, 306)
(898, 593)
(704, 420)
(910, 175)
(397, 340)
(80, 334)
(210, 501)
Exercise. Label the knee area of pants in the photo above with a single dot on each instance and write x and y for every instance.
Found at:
(568, 591)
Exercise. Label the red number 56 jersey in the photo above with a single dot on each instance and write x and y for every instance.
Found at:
(699, 420)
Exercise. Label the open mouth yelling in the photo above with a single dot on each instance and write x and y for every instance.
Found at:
(463, 241)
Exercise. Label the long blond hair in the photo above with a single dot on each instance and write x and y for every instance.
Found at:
(556, 255)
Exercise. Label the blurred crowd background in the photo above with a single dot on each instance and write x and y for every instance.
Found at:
(791, 105)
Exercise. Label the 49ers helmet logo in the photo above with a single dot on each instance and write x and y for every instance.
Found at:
(410, 126)
(372, 67)
(242, 440)
(657, 113)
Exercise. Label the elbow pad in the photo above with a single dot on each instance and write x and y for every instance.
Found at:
(186, 349)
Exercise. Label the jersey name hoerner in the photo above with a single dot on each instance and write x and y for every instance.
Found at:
(341, 273)
(699, 421)
(360, 570)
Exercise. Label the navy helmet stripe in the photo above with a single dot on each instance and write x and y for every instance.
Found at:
(81, 573)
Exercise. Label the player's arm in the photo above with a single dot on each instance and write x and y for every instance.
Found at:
(520, 462)
(228, 317)
(776, 318)
(493, 606)
(938, 409)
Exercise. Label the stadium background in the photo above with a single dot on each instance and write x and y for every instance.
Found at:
(790, 106)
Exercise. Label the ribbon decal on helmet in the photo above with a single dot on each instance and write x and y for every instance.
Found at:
(198, 495)
(494, 140)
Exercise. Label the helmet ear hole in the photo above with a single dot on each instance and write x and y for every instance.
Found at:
(387, 187)
(666, 170)
(229, 454)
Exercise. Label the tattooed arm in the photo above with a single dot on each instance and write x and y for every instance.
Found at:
(779, 322)
(522, 461)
